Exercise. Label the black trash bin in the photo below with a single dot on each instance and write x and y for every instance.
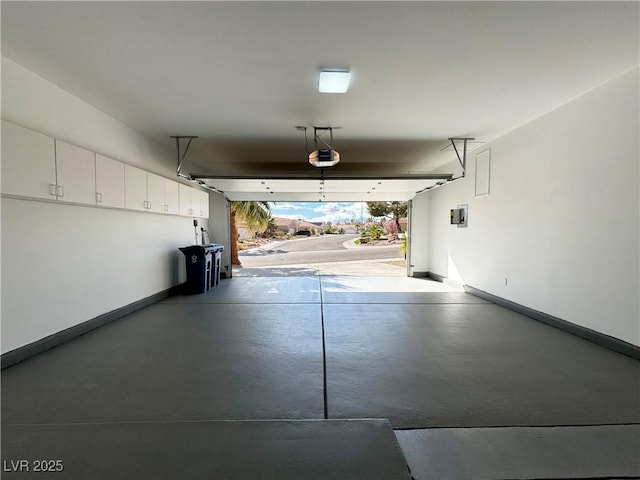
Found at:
(202, 265)
(198, 265)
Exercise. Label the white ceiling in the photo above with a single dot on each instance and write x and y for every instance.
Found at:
(242, 75)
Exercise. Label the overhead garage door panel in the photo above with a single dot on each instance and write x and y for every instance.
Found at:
(328, 189)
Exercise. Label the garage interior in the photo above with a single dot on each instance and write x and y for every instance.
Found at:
(530, 372)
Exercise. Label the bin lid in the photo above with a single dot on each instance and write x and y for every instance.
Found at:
(201, 249)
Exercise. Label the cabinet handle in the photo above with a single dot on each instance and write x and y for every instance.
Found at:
(98, 197)
(149, 205)
(201, 213)
(52, 189)
(166, 207)
(59, 190)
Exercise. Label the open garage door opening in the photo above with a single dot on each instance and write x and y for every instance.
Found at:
(369, 179)
(333, 224)
(288, 238)
(372, 214)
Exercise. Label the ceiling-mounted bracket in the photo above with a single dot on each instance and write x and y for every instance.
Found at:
(184, 154)
(462, 159)
(318, 136)
(323, 155)
(181, 157)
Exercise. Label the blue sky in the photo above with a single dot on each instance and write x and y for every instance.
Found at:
(334, 212)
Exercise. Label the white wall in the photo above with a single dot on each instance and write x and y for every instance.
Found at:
(65, 264)
(562, 219)
(33, 102)
(219, 225)
(419, 224)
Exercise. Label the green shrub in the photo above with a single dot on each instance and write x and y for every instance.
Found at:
(374, 231)
(403, 246)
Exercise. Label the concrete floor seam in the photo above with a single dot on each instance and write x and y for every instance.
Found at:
(239, 303)
(487, 427)
(324, 356)
(615, 477)
(329, 302)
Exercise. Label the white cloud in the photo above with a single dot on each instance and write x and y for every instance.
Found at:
(327, 208)
(334, 212)
(341, 212)
(285, 206)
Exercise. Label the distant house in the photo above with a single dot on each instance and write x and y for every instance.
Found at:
(290, 226)
(304, 226)
(285, 225)
(348, 228)
(243, 231)
(319, 226)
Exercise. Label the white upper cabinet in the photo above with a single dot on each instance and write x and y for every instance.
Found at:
(204, 204)
(171, 197)
(109, 182)
(150, 192)
(193, 202)
(28, 162)
(38, 166)
(155, 193)
(185, 200)
(135, 188)
(76, 174)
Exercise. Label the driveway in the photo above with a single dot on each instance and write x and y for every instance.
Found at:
(328, 254)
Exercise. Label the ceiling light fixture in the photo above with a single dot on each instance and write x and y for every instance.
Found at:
(334, 80)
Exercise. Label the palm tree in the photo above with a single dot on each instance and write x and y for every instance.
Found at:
(255, 215)
(272, 228)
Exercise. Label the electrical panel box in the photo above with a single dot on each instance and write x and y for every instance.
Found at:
(459, 216)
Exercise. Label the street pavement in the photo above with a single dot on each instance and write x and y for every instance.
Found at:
(325, 255)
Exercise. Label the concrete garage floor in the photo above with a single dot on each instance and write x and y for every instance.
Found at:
(238, 382)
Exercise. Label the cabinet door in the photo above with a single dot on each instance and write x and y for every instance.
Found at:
(28, 162)
(76, 174)
(171, 196)
(185, 200)
(109, 182)
(204, 204)
(135, 188)
(155, 193)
